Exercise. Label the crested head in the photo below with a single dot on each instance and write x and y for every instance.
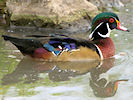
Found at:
(103, 17)
(103, 23)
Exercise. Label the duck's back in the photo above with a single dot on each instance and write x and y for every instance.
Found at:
(56, 49)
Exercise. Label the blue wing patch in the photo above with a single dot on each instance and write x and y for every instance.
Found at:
(73, 46)
(52, 49)
(56, 46)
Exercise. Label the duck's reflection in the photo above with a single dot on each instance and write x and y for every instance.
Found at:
(28, 70)
(101, 86)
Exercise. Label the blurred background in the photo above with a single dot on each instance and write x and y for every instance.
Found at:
(23, 78)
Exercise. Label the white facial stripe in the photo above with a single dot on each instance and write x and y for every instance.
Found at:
(109, 30)
(90, 36)
(108, 34)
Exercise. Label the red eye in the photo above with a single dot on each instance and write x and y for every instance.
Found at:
(111, 20)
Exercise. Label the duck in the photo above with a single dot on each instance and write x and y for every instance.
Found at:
(99, 45)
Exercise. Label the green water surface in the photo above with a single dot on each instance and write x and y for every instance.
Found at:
(23, 78)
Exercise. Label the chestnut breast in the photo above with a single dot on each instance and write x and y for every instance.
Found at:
(107, 47)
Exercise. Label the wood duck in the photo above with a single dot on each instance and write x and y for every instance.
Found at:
(99, 46)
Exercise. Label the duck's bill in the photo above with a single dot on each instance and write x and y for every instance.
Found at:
(118, 81)
(122, 28)
(123, 80)
(119, 27)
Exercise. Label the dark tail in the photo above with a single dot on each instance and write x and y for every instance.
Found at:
(26, 46)
(10, 38)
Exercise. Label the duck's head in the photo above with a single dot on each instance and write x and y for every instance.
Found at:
(103, 23)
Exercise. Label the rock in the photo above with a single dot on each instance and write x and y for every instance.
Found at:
(64, 14)
(2, 13)
(127, 1)
(108, 5)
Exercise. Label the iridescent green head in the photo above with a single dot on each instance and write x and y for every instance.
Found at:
(103, 23)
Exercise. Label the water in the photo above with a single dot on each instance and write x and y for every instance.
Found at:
(23, 78)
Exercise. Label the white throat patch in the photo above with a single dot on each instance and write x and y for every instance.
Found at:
(104, 36)
(108, 34)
